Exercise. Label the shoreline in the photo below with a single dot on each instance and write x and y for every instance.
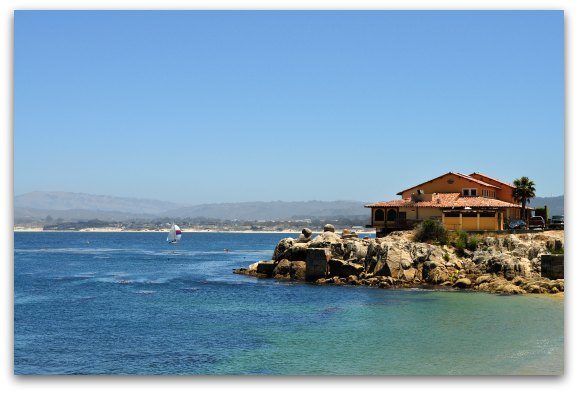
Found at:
(118, 230)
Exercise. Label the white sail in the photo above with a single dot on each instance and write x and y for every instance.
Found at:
(174, 234)
(178, 233)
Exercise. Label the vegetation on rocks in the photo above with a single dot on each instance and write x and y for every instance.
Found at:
(431, 231)
(506, 263)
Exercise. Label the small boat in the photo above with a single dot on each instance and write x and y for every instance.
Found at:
(174, 234)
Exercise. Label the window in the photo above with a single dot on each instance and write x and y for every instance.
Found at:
(379, 215)
(469, 191)
(391, 215)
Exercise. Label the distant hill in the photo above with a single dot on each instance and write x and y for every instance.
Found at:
(277, 210)
(78, 206)
(555, 204)
(23, 214)
(87, 202)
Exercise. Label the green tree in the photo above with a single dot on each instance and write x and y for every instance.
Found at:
(523, 191)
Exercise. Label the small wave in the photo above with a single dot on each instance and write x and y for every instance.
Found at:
(143, 292)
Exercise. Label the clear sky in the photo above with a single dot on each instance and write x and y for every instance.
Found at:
(240, 106)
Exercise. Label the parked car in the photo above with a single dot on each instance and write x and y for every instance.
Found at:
(557, 222)
(536, 222)
(517, 224)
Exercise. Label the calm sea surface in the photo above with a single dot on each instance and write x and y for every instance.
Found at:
(128, 303)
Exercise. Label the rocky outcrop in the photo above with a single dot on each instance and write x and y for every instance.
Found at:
(289, 270)
(343, 269)
(507, 264)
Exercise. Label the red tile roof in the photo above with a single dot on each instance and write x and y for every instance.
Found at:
(492, 178)
(456, 174)
(447, 200)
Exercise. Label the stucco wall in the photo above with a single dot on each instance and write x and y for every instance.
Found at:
(441, 185)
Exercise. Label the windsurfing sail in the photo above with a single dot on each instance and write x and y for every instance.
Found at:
(174, 234)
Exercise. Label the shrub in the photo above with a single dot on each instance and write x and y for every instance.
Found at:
(462, 241)
(472, 243)
(431, 231)
(446, 257)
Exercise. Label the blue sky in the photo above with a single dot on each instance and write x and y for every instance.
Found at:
(240, 106)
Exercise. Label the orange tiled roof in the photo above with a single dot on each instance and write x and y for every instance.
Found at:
(456, 174)
(492, 178)
(447, 201)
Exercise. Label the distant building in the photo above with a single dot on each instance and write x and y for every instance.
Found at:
(468, 202)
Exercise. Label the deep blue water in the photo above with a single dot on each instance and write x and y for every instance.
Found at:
(128, 303)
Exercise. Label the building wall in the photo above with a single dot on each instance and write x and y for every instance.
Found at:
(505, 191)
(472, 223)
(441, 185)
(452, 223)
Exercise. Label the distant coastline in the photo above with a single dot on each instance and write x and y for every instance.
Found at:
(185, 230)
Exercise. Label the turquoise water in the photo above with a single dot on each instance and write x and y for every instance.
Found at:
(128, 303)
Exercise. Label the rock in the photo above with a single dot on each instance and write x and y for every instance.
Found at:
(351, 250)
(345, 232)
(462, 283)
(328, 228)
(266, 268)
(291, 270)
(534, 289)
(316, 263)
(390, 262)
(483, 279)
(509, 289)
(282, 248)
(437, 275)
(297, 252)
(352, 280)
(307, 233)
(409, 274)
(519, 281)
(344, 269)
(324, 240)
(420, 252)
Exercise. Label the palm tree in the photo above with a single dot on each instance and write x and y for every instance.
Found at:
(523, 191)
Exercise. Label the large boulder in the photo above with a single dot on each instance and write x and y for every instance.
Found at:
(436, 275)
(324, 240)
(328, 228)
(463, 283)
(282, 248)
(420, 252)
(290, 270)
(392, 261)
(297, 252)
(305, 236)
(316, 263)
(508, 266)
(266, 267)
(340, 268)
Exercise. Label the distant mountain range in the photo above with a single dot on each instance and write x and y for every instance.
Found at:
(78, 206)
(555, 204)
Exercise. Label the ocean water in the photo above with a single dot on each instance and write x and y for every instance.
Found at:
(128, 303)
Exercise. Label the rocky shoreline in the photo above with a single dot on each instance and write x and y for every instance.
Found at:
(504, 263)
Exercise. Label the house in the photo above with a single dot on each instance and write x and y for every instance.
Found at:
(474, 202)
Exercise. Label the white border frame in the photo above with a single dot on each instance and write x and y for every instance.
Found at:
(148, 384)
